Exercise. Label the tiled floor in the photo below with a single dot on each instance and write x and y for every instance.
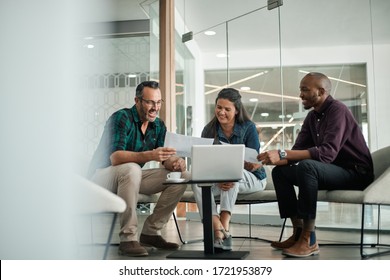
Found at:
(258, 249)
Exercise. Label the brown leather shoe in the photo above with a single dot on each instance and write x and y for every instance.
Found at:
(305, 246)
(158, 242)
(132, 249)
(288, 242)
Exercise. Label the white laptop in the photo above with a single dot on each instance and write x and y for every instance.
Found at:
(217, 163)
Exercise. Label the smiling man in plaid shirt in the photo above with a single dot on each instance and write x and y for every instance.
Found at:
(132, 137)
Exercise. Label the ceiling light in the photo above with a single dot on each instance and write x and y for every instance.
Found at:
(132, 75)
(90, 46)
(210, 33)
(264, 114)
(253, 99)
(278, 95)
(281, 116)
(222, 55)
(245, 88)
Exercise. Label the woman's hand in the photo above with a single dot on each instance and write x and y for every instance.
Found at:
(251, 166)
(226, 186)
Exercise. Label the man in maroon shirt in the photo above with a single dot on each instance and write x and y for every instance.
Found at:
(330, 153)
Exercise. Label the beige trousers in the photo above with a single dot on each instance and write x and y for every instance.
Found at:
(127, 181)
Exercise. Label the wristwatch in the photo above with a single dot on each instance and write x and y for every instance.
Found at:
(282, 154)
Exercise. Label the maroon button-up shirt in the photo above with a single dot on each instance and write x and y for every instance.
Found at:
(332, 135)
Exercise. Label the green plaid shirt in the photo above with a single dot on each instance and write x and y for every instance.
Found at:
(122, 132)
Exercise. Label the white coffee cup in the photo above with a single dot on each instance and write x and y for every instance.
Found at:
(174, 175)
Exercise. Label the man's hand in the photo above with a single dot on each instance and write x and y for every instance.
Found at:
(163, 153)
(273, 158)
(174, 163)
(160, 154)
(179, 164)
(269, 157)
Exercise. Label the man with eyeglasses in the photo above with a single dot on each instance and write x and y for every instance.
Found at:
(132, 137)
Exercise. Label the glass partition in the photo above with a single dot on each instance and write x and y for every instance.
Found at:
(265, 65)
(284, 44)
(268, 75)
(113, 67)
(327, 47)
(220, 77)
(255, 67)
(246, 69)
(184, 87)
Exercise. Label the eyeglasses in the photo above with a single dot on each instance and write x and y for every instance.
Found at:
(157, 103)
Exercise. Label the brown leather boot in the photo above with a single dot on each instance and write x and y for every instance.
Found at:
(132, 249)
(157, 241)
(288, 242)
(305, 246)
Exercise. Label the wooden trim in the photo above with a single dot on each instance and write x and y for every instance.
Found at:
(167, 63)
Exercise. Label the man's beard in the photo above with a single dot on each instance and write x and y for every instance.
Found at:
(145, 114)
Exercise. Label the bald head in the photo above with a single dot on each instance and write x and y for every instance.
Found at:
(315, 88)
(321, 81)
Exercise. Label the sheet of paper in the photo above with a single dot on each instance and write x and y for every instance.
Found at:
(250, 154)
(183, 143)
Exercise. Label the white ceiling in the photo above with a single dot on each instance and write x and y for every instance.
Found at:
(337, 23)
(336, 20)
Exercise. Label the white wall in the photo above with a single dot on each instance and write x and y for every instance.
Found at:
(36, 110)
(379, 104)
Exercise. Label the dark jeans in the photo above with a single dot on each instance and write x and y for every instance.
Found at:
(310, 176)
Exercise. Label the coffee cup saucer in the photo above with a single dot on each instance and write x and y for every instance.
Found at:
(171, 180)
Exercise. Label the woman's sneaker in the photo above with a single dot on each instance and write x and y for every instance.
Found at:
(227, 243)
(223, 244)
(218, 243)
